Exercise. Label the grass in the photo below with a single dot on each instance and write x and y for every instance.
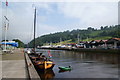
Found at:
(89, 39)
(98, 38)
(63, 42)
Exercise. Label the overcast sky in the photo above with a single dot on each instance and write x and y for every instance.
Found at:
(56, 16)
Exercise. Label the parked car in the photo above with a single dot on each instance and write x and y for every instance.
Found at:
(80, 45)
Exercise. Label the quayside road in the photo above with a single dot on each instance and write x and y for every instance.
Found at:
(13, 65)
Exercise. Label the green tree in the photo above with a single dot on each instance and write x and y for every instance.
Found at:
(4, 40)
(105, 31)
(20, 43)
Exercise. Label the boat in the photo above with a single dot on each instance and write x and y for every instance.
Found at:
(43, 64)
(33, 57)
(65, 68)
(40, 61)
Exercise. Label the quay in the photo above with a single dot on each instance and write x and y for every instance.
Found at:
(87, 50)
(16, 66)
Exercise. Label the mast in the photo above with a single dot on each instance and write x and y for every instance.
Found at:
(60, 41)
(6, 26)
(34, 28)
(78, 39)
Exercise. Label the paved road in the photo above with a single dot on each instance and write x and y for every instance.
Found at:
(0, 64)
(13, 69)
(0, 69)
(13, 65)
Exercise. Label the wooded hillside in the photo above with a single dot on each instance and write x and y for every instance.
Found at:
(105, 32)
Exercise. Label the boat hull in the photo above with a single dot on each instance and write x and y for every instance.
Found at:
(43, 65)
(64, 68)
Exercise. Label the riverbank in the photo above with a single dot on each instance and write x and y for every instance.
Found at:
(87, 50)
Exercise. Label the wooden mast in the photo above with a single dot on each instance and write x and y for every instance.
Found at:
(34, 28)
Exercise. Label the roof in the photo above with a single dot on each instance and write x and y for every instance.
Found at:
(97, 40)
(116, 39)
(15, 44)
(104, 40)
(112, 40)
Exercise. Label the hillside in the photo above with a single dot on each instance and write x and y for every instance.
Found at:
(88, 34)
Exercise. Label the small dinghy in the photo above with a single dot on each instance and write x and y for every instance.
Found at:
(65, 68)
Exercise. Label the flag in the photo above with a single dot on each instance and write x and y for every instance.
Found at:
(49, 54)
(6, 3)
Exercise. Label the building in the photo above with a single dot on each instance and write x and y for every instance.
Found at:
(113, 43)
(9, 45)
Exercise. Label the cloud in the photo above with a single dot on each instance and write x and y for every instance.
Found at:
(91, 14)
(20, 21)
(44, 6)
(43, 29)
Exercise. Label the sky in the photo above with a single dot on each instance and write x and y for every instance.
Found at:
(55, 17)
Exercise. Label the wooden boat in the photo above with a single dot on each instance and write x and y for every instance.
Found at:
(33, 57)
(65, 68)
(43, 63)
(40, 61)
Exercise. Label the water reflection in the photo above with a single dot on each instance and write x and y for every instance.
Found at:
(61, 71)
(46, 74)
(84, 57)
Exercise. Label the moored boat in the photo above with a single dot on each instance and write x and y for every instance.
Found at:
(43, 65)
(65, 68)
(39, 60)
(42, 62)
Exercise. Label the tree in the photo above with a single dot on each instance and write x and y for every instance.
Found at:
(101, 27)
(106, 27)
(4, 40)
(20, 43)
(90, 29)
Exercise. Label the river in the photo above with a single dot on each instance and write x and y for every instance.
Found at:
(84, 65)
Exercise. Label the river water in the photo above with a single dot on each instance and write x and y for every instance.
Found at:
(84, 65)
